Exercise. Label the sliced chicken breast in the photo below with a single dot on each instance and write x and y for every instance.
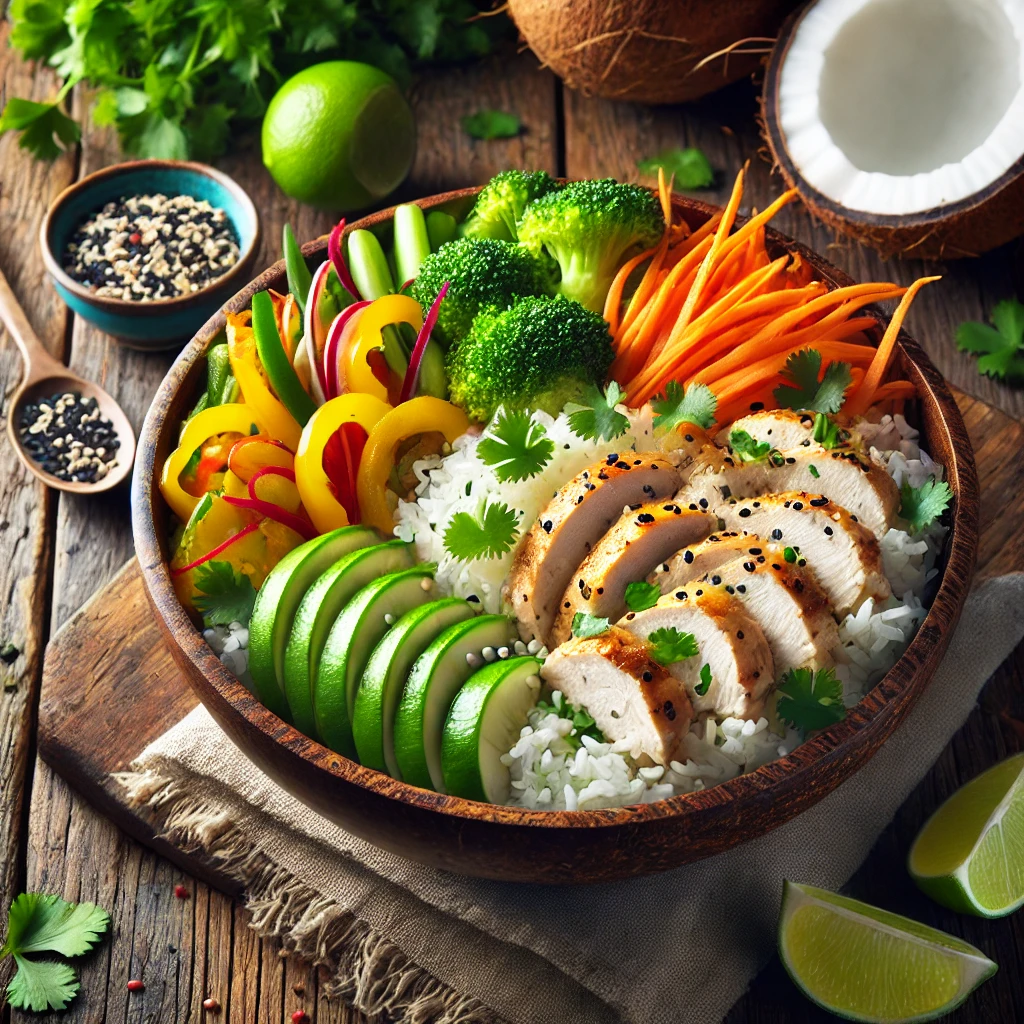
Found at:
(788, 604)
(695, 560)
(729, 641)
(629, 696)
(849, 477)
(640, 540)
(571, 524)
(781, 428)
(843, 553)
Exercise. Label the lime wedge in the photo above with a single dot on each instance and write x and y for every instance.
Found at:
(970, 854)
(866, 964)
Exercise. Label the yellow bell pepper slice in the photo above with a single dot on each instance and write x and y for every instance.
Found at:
(271, 415)
(417, 416)
(389, 309)
(315, 489)
(235, 418)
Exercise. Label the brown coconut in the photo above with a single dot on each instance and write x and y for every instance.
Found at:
(647, 51)
(983, 221)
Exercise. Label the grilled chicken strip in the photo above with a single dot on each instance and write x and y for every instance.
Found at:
(850, 478)
(696, 560)
(641, 539)
(571, 524)
(781, 428)
(629, 696)
(843, 553)
(729, 640)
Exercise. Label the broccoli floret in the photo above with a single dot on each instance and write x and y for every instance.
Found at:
(539, 354)
(590, 227)
(501, 203)
(481, 272)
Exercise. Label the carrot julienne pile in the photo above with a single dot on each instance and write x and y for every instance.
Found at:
(712, 306)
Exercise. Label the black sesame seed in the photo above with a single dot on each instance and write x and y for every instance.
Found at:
(744, 513)
(776, 534)
(716, 580)
(739, 634)
(828, 531)
(818, 502)
(647, 677)
(687, 556)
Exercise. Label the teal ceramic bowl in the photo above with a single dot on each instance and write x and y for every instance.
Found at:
(162, 323)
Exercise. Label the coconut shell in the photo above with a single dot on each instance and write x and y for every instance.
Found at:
(646, 50)
(983, 221)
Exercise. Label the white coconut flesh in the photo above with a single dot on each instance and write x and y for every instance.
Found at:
(898, 106)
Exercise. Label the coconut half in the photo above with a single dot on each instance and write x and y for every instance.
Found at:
(901, 122)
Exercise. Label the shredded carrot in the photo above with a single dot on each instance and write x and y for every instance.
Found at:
(895, 390)
(613, 301)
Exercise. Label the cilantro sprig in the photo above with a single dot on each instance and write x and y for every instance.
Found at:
(584, 624)
(669, 645)
(921, 506)
(811, 699)
(807, 388)
(689, 167)
(702, 687)
(37, 923)
(491, 124)
(516, 447)
(583, 723)
(826, 431)
(1000, 348)
(224, 595)
(642, 595)
(490, 533)
(597, 419)
(697, 405)
(748, 449)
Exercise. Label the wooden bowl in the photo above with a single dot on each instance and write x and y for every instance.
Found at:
(552, 846)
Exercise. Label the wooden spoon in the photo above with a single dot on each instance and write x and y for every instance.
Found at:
(45, 376)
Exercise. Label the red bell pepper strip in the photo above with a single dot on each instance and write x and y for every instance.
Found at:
(412, 375)
(341, 458)
(269, 510)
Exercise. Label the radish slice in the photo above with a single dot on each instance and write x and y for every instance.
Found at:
(269, 510)
(314, 330)
(334, 251)
(412, 375)
(340, 331)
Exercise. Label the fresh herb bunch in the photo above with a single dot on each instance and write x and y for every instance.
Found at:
(177, 76)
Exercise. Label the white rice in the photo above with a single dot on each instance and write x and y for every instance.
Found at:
(231, 645)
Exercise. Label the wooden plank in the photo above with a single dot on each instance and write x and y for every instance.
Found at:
(603, 138)
(26, 506)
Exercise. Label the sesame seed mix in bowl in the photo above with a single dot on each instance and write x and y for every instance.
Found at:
(144, 248)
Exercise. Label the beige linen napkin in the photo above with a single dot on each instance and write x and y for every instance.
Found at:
(428, 946)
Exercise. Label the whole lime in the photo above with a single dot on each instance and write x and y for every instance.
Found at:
(339, 135)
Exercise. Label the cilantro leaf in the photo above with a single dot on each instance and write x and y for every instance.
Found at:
(746, 449)
(37, 923)
(42, 985)
(641, 595)
(921, 506)
(516, 447)
(491, 124)
(1002, 347)
(489, 534)
(584, 624)
(826, 432)
(669, 645)
(225, 596)
(805, 390)
(599, 420)
(810, 699)
(39, 123)
(705, 680)
(689, 167)
(583, 723)
(696, 405)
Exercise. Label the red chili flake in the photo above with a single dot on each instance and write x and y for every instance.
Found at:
(181, 892)
(211, 1005)
(135, 985)
(135, 238)
(300, 1017)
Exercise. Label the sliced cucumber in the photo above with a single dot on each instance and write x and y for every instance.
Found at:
(377, 694)
(280, 596)
(433, 681)
(355, 633)
(322, 604)
(484, 721)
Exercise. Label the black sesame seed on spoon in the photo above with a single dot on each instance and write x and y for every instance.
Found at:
(69, 437)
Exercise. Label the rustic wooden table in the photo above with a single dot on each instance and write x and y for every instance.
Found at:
(55, 551)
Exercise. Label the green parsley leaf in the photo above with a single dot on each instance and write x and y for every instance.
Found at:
(689, 167)
(516, 446)
(810, 699)
(584, 624)
(37, 923)
(1001, 347)
(805, 390)
(813, 470)
(489, 534)
(705, 680)
(42, 985)
(491, 124)
(746, 449)
(583, 723)
(599, 420)
(696, 405)
(827, 432)
(39, 124)
(225, 596)
(669, 645)
(641, 595)
(921, 506)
